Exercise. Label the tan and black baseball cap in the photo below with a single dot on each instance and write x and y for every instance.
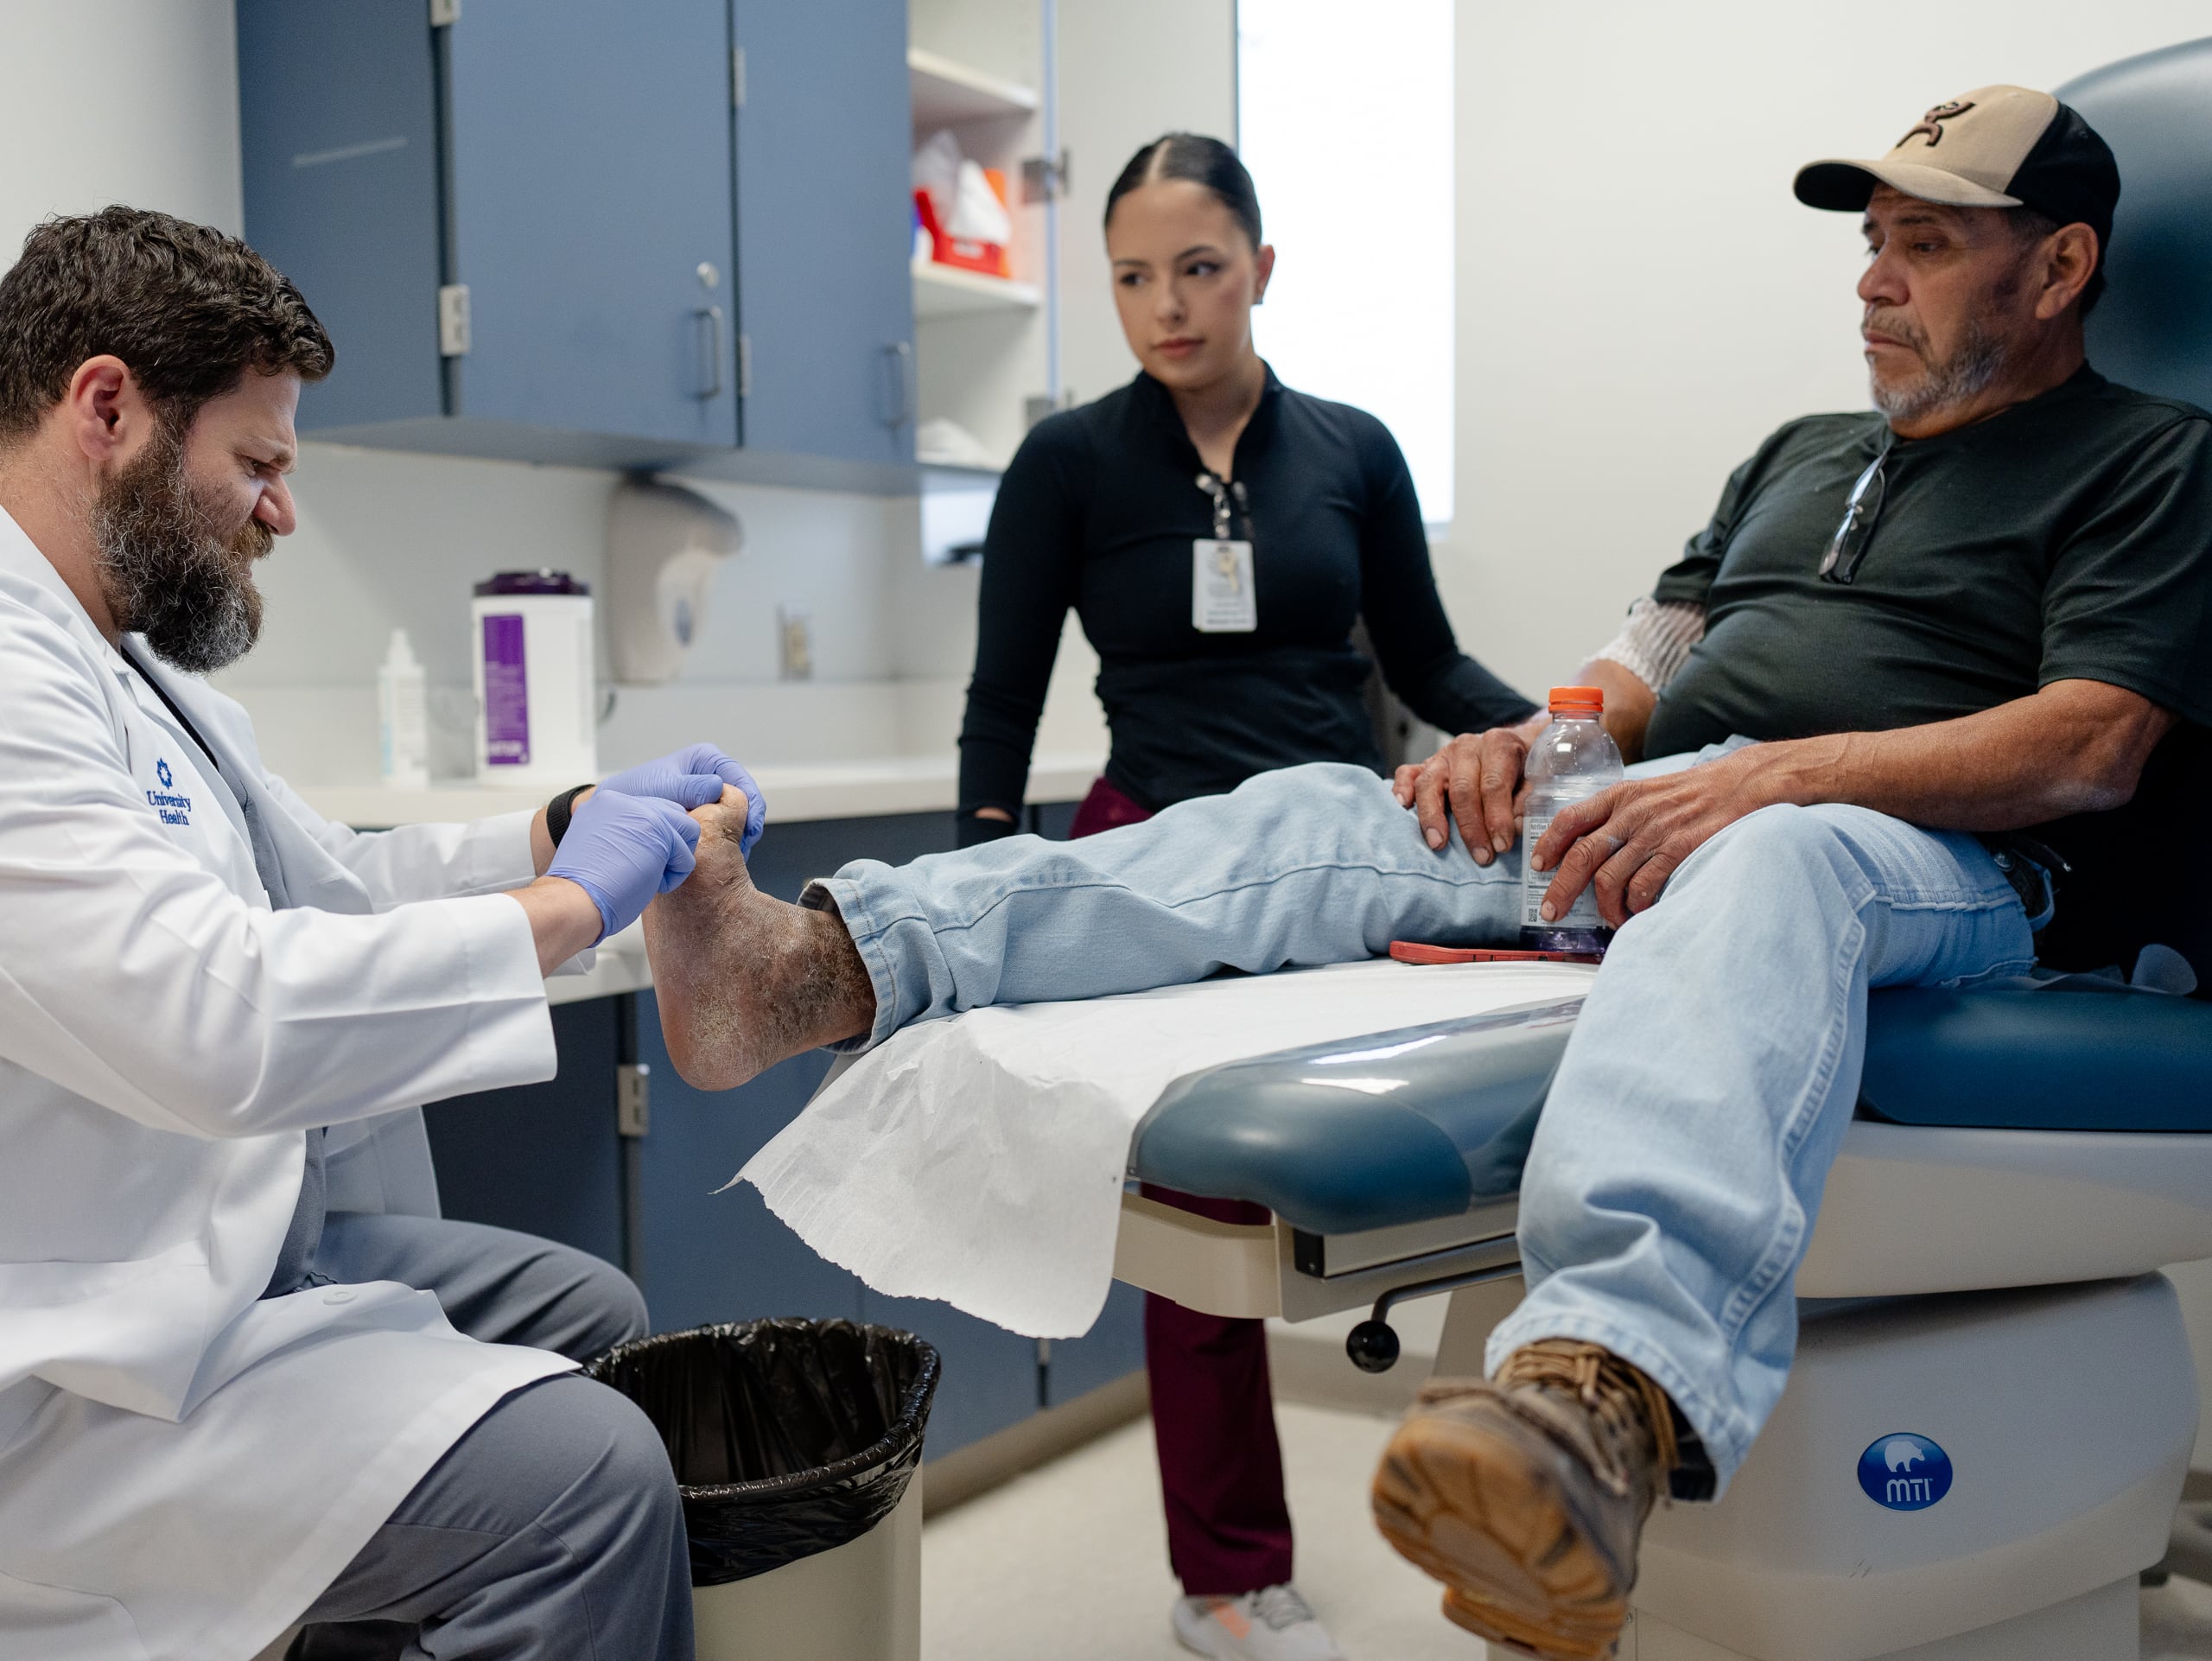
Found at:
(1994, 147)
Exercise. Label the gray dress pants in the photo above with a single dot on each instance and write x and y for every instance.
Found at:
(552, 1529)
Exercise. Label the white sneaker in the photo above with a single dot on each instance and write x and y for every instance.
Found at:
(1270, 1625)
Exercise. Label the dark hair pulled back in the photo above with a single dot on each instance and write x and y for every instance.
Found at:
(1201, 160)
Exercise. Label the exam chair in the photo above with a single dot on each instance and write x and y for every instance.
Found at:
(1985, 1436)
(1985, 1440)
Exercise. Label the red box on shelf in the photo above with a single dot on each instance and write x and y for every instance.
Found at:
(961, 252)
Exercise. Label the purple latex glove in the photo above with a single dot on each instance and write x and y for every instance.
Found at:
(623, 850)
(692, 777)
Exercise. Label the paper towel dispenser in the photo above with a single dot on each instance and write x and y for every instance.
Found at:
(664, 545)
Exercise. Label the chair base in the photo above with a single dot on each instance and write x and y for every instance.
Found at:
(2057, 1423)
(2099, 1625)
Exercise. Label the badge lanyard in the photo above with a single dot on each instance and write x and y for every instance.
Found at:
(1224, 597)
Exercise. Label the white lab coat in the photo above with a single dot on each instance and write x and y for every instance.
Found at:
(183, 1466)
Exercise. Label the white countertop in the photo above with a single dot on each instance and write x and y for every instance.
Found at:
(797, 793)
(618, 965)
(827, 790)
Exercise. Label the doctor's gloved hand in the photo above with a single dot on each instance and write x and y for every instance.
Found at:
(693, 777)
(623, 850)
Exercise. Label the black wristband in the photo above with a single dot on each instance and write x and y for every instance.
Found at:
(557, 811)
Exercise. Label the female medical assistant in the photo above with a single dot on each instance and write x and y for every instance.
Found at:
(1219, 534)
(1214, 665)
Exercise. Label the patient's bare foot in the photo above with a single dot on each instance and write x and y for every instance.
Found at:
(743, 979)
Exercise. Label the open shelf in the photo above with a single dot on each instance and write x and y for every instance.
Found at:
(944, 92)
(948, 291)
(980, 340)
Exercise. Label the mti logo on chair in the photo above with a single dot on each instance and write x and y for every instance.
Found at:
(1905, 1472)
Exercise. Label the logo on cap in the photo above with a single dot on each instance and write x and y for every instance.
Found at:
(1932, 123)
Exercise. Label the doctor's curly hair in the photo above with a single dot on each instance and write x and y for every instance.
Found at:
(188, 309)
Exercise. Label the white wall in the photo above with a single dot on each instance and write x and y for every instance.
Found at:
(1130, 70)
(1641, 298)
(117, 100)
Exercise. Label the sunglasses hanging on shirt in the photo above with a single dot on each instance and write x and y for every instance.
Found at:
(1848, 546)
(1223, 598)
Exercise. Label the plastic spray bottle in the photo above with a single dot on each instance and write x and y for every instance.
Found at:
(1573, 759)
(403, 709)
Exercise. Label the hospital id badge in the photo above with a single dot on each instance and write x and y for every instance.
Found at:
(1223, 598)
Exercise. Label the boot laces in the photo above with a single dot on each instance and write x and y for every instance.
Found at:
(1619, 1397)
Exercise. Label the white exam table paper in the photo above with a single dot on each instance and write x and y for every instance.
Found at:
(980, 1160)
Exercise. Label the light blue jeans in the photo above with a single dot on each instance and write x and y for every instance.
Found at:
(1678, 1166)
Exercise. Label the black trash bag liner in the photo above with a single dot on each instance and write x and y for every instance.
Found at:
(788, 1437)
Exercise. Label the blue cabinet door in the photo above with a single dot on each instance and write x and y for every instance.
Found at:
(722, 1256)
(823, 228)
(990, 1378)
(712, 1253)
(712, 1256)
(591, 182)
(337, 126)
(541, 1158)
(1112, 1349)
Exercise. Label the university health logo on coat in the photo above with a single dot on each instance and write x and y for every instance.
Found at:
(1905, 1472)
(173, 807)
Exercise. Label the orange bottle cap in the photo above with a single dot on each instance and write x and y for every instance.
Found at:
(1578, 697)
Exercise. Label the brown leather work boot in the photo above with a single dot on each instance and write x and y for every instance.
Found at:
(1526, 1495)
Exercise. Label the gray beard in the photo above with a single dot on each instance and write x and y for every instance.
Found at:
(165, 574)
(1967, 373)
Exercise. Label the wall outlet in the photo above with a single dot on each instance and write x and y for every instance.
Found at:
(794, 643)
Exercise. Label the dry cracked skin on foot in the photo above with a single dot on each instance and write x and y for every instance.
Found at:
(743, 979)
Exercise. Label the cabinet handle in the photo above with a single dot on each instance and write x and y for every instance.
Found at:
(712, 316)
(901, 384)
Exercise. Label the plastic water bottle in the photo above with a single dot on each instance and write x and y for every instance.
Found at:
(403, 710)
(1574, 758)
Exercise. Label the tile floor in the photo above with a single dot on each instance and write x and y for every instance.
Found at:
(1068, 1563)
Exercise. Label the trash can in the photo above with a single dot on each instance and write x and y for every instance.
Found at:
(797, 1449)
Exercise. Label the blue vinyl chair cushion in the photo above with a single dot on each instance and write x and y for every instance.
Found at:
(2046, 1060)
(1427, 1121)
(1396, 1127)
(2153, 328)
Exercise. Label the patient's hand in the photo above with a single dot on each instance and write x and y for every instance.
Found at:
(1627, 841)
(1476, 780)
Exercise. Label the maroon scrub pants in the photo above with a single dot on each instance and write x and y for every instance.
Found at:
(1213, 1418)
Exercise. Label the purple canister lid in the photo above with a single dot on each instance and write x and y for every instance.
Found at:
(530, 582)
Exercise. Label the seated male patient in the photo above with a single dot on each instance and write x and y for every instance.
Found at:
(248, 1378)
(1971, 630)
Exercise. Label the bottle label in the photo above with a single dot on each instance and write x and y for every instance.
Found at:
(1583, 913)
(506, 692)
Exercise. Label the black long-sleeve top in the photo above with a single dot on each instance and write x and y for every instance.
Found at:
(1099, 511)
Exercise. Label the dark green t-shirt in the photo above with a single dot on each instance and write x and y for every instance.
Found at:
(2067, 537)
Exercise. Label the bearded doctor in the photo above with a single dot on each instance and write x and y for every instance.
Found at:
(247, 1378)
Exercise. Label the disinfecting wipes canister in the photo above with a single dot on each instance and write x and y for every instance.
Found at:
(537, 691)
